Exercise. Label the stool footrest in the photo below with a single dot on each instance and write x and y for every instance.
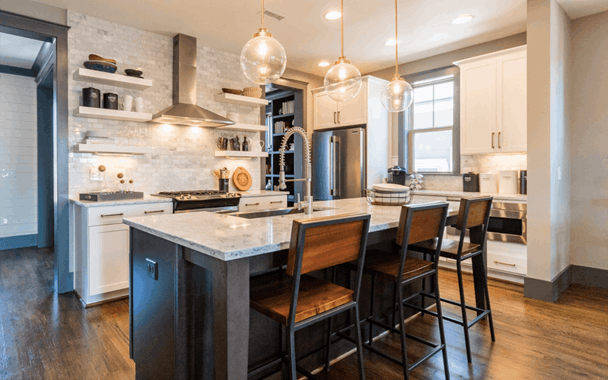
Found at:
(397, 331)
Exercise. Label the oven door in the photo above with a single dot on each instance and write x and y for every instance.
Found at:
(505, 225)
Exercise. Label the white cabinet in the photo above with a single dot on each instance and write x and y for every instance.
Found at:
(326, 111)
(493, 102)
(101, 248)
(262, 203)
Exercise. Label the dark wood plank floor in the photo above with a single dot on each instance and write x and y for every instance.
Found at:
(45, 336)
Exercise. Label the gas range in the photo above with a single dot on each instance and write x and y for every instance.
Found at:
(201, 200)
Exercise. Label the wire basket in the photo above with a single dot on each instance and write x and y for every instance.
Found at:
(379, 198)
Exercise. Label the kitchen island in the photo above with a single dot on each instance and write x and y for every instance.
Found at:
(190, 278)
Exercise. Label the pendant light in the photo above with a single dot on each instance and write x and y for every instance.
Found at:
(263, 59)
(398, 95)
(343, 81)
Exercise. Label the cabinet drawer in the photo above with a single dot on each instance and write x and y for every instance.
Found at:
(263, 203)
(99, 216)
(508, 263)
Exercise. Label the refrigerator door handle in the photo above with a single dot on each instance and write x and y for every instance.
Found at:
(331, 164)
(335, 188)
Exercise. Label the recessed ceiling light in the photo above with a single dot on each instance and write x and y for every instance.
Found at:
(391, 42)
(462, 19)
(323, 64)
(333, 15)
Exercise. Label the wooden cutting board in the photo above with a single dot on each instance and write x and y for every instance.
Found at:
(241, 179)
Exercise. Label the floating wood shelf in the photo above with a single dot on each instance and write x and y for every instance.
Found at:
(240, 100)
(100, 77)
(112, 149)
(245, 127)
(239, 154)
(103, 113)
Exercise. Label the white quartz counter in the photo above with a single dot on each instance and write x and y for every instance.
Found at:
(230, 238)
(461, 194)
(261, 193)
(147, 199)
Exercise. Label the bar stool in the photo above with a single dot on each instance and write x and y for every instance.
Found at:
(297, 300)
(417, 223)
(474, 213)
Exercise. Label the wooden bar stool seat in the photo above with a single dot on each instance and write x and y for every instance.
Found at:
(271, 296)
(449, 248)
(297, 300)
(386, 265)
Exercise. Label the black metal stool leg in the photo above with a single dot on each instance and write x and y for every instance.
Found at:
(406, 372)
(359, 344)
(395, 305)
(485, 281)
(463, 308)
(371, 312)
(329, 327)
(291, 352)
(441, 330)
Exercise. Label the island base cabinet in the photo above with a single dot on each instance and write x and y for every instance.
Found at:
(109, 266)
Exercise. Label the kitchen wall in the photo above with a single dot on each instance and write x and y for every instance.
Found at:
(589, 142)
(18, 156)
(183, 157)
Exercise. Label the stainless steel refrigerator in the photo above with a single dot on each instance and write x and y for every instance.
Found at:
(338, 160)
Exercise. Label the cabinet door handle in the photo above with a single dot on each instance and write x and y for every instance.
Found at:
(507, 264)
(492, 140)
(108, 215)
(154, 212)
(273, 202)
(339, 117)
(335, 117)
(498, 140)
(252, 204)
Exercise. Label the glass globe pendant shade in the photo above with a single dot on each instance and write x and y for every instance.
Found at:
(397, 95)
(343, 81)
(263, 58)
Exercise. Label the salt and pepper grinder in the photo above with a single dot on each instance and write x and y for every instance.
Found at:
(245, 144)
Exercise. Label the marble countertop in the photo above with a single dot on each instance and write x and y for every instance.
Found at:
(261, 193)
(229, 238)
(461, 194)
(127, 202)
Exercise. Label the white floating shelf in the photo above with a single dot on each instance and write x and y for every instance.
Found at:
(240, 100)
(245, 127)
(112, 149)
(101, 77)
(239, 154)
(103, 113)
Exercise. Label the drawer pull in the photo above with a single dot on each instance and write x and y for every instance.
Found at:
(273, 202)
(252, 204)
(108, 215)
(498, 262)
(154, 212)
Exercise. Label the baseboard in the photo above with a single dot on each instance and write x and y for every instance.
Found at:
(548, 291)
(15, 242)
(590, 276)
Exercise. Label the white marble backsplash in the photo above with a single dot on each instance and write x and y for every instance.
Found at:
(183, 157)
(493, 163)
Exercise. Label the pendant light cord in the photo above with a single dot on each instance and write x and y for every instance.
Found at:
(342, 39)
(396, 42)
(262, 13)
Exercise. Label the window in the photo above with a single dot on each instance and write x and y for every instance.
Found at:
(431, 132)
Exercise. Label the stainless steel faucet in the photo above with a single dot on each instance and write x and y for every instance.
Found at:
(307, 169)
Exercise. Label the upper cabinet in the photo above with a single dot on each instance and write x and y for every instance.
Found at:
(493, 102)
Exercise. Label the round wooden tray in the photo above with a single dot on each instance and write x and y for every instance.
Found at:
(241, 179)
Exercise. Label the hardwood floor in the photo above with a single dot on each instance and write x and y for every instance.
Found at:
(45, 336)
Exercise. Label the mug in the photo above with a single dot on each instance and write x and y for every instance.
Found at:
(257, 145)
(222, 143)
(127, 103)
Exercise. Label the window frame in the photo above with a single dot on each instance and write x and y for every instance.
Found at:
(406, 119)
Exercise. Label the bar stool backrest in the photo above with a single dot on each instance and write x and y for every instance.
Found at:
(474, 212)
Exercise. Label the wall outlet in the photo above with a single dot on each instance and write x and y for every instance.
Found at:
(152, 269)
(6, 173)
(3, 221)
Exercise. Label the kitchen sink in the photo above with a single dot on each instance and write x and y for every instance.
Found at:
(276, 212)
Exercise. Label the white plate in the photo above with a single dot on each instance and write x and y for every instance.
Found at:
(390, 188)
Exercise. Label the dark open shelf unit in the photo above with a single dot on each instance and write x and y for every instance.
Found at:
(293, 159)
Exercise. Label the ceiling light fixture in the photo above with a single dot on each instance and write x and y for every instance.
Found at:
(343, 81)
(333, 15)
(391, 42)
(398, 95)
(263, 59)
(323, 64)
(462, 19)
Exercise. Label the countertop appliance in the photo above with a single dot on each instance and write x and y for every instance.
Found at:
(202, 200)
(339, 164)
(397, 175)
(470, 182)
(488, 183)
(106, 196)
(523, 182)
(508, 182)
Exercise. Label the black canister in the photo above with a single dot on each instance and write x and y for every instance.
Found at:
(91, 97)
(397, 175)
(110, 101)
(224, 185)
(470, 182)
(523, 182)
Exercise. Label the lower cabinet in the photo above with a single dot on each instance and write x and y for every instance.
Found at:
(262, 203)
(109, 266)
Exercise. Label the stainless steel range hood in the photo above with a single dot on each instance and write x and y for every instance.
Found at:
(184, 110)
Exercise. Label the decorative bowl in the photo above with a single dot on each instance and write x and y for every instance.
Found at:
(95, 57)
(253, 92)
(101, 66)
(232, 91)
(134, 73)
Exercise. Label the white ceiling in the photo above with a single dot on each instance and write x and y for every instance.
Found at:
(18, 51)
(425, 26)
